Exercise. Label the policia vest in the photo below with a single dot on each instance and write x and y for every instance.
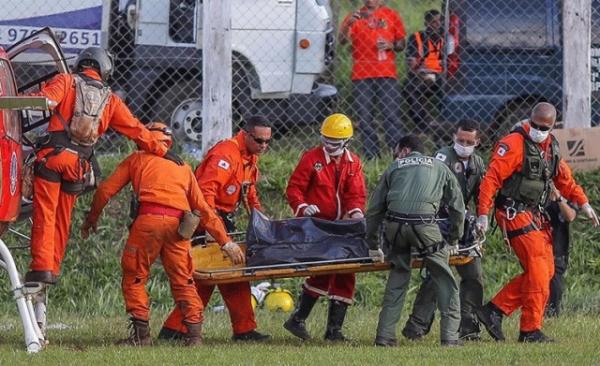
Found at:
(79, 135)
(530, 187)
(469, 177)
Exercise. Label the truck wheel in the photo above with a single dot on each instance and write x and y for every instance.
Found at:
(180, 106)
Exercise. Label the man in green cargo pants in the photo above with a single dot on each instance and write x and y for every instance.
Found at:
(469, 169)
(407, 199)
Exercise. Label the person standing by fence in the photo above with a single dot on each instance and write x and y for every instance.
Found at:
(376, 33)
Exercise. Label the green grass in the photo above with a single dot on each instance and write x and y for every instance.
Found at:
(90, 341)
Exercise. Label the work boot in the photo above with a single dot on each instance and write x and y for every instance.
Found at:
(451, 343)
(491, 318)
(41, 276)
(385, 342)
(335, 321)
(251, 336)
(535, 336)
(412, 334)
(168, 334)
(194, 335)
(139, 334)
(469, 330)
(296, 323)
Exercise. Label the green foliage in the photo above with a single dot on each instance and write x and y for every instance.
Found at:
(90, 283)
(89, 341)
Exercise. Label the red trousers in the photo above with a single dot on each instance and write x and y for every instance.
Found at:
(237, 298)
(154, 236)
(336, 286)
(52, 212)
(530, 290)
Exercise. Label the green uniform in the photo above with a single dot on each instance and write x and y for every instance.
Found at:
(407, 200)
(471, 274)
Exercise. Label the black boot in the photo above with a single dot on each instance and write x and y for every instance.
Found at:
(534, 337)
(335, 321)
(491, 317)
(168, 334)
(296, 323)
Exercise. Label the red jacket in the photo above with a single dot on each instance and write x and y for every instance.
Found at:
(337, 189)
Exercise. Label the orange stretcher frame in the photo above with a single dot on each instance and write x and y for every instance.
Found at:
(212, 266)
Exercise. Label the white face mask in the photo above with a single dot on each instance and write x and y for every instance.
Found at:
(334, 147)
(538, 136)
(463, 151)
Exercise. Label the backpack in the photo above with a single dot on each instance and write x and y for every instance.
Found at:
(91, 97)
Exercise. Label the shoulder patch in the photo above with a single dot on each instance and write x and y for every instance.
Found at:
(502, 149)
(441, 157)
(223, 164)
(318, 166)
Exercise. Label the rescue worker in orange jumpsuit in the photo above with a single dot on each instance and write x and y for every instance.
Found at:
(227, 177)
(63, 169)
(523, 167)
(164, 191)
(328, 183)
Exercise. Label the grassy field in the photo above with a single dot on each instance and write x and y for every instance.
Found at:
(89, 340)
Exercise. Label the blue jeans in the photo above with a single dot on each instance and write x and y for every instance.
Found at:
(383, 93)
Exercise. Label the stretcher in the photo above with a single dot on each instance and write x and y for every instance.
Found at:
(212, 266)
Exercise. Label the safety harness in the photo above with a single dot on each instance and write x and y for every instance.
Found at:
(79, 136)
(529, 188)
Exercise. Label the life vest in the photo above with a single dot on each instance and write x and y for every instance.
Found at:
(531, 186)
(432, 59)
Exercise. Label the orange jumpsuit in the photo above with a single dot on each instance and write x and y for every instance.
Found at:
(51, 206)
(226, 171)
(529, 290)
(164, 190)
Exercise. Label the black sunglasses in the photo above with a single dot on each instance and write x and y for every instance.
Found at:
(259, 140)
(538, 127)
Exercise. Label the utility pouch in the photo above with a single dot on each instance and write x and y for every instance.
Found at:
(134, 207)
(188, 224)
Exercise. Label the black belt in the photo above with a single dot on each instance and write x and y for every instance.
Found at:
(412, 218)
(522, 231)
(60, 139)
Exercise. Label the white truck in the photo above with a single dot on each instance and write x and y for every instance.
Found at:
(280, 49)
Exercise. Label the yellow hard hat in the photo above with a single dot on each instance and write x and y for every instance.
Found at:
(279, 300)
(254, 302)
(337, 126)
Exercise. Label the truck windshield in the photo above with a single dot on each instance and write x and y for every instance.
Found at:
(506, 24)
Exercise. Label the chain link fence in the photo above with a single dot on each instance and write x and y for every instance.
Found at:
(485, 60)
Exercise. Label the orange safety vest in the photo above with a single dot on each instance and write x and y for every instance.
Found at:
(433, 60)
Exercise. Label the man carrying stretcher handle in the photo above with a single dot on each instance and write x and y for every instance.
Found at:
(227, 177)
(165, 191)
(328, 183)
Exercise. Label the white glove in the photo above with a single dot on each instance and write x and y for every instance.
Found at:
(588, 210)
(482, 224)
(453, 250)
(377, 255)
(311, 210)
(234, 252)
